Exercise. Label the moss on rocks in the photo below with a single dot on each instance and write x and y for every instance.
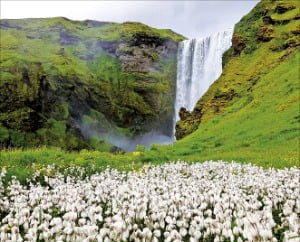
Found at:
(57, 73)
(260, 45)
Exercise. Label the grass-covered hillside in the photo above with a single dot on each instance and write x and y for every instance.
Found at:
(251, 113)
(67, 83)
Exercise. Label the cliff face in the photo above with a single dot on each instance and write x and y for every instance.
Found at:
(263, 41)
(65, 83)
(251, 113)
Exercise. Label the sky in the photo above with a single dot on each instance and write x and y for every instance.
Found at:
(192, 19)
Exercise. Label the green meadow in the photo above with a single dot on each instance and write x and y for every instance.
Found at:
(259, 123)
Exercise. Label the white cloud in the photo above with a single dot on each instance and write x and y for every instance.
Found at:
(190, 18)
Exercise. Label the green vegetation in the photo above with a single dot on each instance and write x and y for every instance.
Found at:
(23, 163)
(114, 31)
(250, 114)
(263, 129)
(57, 75)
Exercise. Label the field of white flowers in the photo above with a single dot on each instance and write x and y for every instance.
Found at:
(211, 201)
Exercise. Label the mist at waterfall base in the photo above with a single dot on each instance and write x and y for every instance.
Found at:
(199, 64)
(122, 141)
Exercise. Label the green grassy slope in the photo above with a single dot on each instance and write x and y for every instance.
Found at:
(59, 77)
(251, 113)
(265, 128)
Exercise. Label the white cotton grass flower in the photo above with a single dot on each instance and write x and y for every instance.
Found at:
(171, 202)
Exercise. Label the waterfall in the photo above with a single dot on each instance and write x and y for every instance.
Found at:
(199, 64)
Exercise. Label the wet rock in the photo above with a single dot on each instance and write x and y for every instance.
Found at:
(183, 113)
(184, 128)
(238, 44)
(140, 39)
(189, 121)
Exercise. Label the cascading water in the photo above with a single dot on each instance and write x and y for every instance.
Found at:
(199, 64)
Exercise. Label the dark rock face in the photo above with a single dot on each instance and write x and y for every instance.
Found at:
(238, 44)
(282, 8)
(142, 39)
(187, 123)
(268, 20)
(183, 113)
